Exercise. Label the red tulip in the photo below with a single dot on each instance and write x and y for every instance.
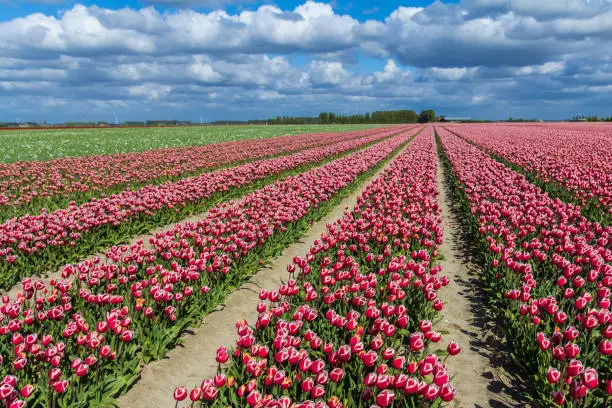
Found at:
(210, 393)
(453, 348)
(127, 336)
(20, 363)
(81, 370)
(307, 385)
(27, 391)
(220, 380)
(195, 394)
(60, 386)
(54, 374)
(605, 347)
(574, 368)
(384, 398)
(370, 379)
(559, 397)
(590, 378)
(6, 390)
(180, 393)
(447, 392)
(336, 374)
(318, 391)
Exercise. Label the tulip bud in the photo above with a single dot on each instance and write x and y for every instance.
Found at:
(590, 378)
(180, 393)
(453, 348)
(60, 386)
(27, 391)
(559, 397)
(553, 375)
(195, 394)
(384, 398)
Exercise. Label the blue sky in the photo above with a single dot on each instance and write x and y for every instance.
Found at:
(223, 59)
(361, 10)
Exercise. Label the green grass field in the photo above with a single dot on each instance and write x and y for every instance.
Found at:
(18, 145)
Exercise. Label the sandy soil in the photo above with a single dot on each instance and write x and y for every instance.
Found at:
(483, 374)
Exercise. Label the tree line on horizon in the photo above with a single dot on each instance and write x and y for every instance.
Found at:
(594, 118)
(377, 117)
(324, 118)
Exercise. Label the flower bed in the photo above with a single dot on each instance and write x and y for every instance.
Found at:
(32, 245)
(549, 271)
(27, 187)
(80, 340)
(570, 163)
(353, 325)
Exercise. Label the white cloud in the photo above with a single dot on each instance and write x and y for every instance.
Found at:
(150, 91)
(544, 69)
(93, 30)
(540, 9)
(453, 74)
(478, 99)
(308, 57)
(391, 74)
(196, 3)
(328, 73)
(203, 72)
(404, 13)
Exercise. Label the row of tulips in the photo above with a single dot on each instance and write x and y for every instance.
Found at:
(549, 271)
(79, 341)
(27, 187)
(34, 244)
(352, 327)
(571, 163)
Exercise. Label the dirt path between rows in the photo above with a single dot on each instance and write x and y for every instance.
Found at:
(194, 360)
(483, 373)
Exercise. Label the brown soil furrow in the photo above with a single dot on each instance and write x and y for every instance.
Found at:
(482, 372)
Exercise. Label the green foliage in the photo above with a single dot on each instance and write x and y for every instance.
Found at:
(427, 116)
(378, 117)
(594, 118)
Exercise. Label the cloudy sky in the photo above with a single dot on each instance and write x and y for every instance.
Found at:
(241, 59)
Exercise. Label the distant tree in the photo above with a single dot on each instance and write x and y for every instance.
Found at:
(407, 116)
(427, 116)
(399, 116)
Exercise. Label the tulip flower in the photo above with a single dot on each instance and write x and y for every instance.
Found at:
(195, 394)
(180, 393)
(331, 276)
(453, 348)
(540, 242)
(384, 398)
(60, 386)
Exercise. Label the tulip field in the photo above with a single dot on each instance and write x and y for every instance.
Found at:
(48, 144)
(549, 269)
(50, 239)
(359, 319)
(570, 162)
